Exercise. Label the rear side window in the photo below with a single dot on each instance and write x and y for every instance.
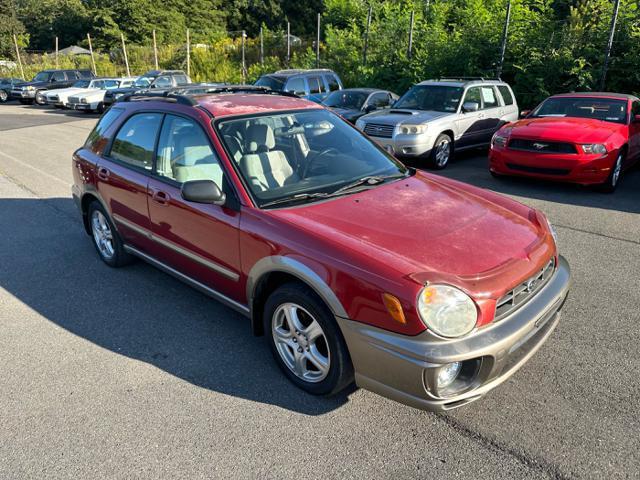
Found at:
(95, 140)
(489, 97)
(136, 139)
(162, 82)
(84, 74)
(332, 82)
(296, 85)
(58, 77)
(506, 94)
(315, 85)
(181, 80)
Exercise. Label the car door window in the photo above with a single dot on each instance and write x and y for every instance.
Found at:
(506, 94)
(635, 109)
(332, 82)
(295, 85)
(58, 77)
(135, 141)
(379, 100)
(185, 153)
(162, 82)
(489, 97)
(109, 84)
(314, 85)
(181, 80)
(474, 95)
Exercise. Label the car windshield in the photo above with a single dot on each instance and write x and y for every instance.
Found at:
(605, 109)
(271, 81)
(143, 81)
(304, 155)
(437, 98)
(41, 77)
(346, 99)
(81, 84)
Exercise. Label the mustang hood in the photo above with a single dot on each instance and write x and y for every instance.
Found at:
(565, 129)
(398, 116)
(420, 224)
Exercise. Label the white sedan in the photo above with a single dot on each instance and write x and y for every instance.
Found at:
(92, 100)
(60, 97)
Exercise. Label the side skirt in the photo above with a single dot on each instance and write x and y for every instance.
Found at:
(238, 307)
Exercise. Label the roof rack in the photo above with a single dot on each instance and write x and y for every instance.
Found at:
(162, 96)
(186, 98)
(466, 79)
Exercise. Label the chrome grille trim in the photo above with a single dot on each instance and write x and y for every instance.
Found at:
(379, 130)
(523, 292)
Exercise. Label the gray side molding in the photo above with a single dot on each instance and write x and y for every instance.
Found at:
(279, 263)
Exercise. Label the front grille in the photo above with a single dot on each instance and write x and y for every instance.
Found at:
(540, 170)
(522, 293)
(541, 147)
(379, 130)
(74, 99)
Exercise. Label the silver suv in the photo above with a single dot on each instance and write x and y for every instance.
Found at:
(436, 117)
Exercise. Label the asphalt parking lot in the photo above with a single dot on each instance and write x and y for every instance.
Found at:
(128, 373)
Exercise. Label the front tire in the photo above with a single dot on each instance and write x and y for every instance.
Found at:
(305, 340)
(40, 100)
(613, 180)
(441, 152)
(4, 96)
(105, 237)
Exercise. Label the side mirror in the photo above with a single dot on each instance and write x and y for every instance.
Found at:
(203, 191)
(470, 107)
(524, 113)
(370, 108)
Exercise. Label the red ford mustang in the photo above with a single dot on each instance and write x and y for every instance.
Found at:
(354, 267)
(585, 138)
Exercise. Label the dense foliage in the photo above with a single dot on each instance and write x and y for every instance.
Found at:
(553, 45)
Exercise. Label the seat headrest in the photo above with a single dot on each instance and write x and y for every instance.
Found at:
(259, 138)
(186, 139)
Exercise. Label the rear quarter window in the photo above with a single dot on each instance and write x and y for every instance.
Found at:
(96, 140)
(506, 94)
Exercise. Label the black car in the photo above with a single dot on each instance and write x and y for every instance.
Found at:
(352, 103)
(314, 84)
(152, 80)
(6, 85)
(29, 92)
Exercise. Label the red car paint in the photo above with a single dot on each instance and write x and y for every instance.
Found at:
(392, 238)
(581, 168)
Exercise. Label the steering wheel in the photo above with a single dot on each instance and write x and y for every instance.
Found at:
(314, 158)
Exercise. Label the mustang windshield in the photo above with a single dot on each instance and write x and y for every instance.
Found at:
(342, 99)
(436, 98)
(606, 109)
(304, 156)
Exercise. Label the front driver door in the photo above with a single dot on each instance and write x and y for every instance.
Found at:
(634, 134)
(470, 124)
(199, 240)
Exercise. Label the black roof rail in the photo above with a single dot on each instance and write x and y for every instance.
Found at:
(246, 89)
(162, 96)
(467, 79)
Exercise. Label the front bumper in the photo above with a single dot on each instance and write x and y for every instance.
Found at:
(80, 106)
(573, 168)
(406, 145)
(404, 368)
(23, 94)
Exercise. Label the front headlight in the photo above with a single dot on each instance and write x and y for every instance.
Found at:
(360, 124)
(118, 95)
(596, 148)
(446, 310)
(500, 139)
(408, 129)
(28, 88)
(83, 100)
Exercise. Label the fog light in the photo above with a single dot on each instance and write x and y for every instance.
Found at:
(448, 373)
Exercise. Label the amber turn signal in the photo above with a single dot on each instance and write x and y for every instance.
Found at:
(394, 308)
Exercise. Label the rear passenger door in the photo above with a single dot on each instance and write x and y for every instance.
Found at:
(509, 111)
(199, 240)
(123, 175)
(491, 109)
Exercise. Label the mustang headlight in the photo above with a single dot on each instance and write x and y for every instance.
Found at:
(446, 310)
(597, 148)
(407, 129)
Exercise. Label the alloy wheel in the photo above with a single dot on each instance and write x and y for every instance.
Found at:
(102, 235)
(443, 152)
(301, 342)
(3, 96)
(617, 169)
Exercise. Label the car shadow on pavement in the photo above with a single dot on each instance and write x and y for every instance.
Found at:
(50, 265)
(473, 167)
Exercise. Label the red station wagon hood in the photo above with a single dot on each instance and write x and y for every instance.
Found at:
(565, 129)
(420, 225)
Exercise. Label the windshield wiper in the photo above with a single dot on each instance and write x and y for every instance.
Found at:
(295, 198)
(370, 180)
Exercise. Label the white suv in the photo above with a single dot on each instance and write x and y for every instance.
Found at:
(436, 117)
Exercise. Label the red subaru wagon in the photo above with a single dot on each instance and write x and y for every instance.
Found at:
(355, 268)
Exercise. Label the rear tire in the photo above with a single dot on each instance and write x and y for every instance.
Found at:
(4, 96)
(305, 340)
(100, 108)
(105, 237)
(615, 176)
(442, 152)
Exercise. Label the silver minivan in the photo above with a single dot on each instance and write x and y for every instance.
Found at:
(437, 117)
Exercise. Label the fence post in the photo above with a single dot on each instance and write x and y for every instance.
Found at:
(366, 37)
(607, 53)
(93, 60)
(57, 66)
(155, 49)
(505, 33)
(261, 48)
(188, 55)
(410, 35)
(318, 43)
(288, 43)
(244, 65)
(124, 52)
(15, 41)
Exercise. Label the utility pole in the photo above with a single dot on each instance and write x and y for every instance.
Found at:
(607, 53)
(505, 33)
(155, 49)
(244, 65)
(318, 43)
(288, 43)
(57, 66)
(93, 60)
(410, 35)
(124, 52)
(261, 47)
(15, 41)
(188, 55)
(366, 36)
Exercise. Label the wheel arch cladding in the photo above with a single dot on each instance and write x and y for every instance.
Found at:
(271, 272)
